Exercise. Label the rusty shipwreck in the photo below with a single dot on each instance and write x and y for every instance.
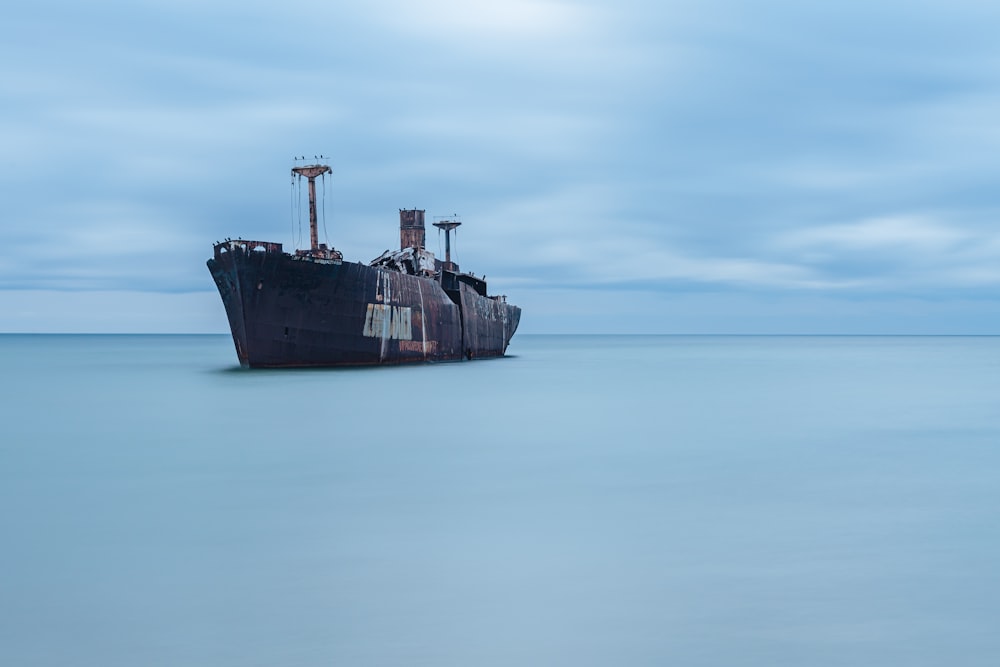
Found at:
(312, 308)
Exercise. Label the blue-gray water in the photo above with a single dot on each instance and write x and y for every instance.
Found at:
(586, 501)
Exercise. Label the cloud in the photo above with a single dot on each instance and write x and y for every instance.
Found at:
(575, 237)
(631, 145)
(899, 251)
(905, 233)
(637, 262)
(475, 22)
(119, 245)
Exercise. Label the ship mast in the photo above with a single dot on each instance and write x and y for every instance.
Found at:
(447, 226)
(311, 172)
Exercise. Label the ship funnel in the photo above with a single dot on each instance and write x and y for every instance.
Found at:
(411, 228)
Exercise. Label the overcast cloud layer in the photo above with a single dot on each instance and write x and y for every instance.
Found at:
(629, 166)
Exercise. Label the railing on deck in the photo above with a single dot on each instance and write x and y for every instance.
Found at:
(243, 245)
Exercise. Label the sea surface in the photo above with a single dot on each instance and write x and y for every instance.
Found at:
(588, 500)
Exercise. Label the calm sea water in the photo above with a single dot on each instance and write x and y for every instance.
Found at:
(586, 501)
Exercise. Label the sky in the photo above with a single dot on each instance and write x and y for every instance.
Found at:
(636, 166)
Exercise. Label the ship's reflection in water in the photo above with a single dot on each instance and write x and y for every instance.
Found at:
(585, 501)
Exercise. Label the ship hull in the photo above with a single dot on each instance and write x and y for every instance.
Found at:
(294, 311)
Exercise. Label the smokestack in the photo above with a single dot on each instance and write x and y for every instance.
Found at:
(411, 228)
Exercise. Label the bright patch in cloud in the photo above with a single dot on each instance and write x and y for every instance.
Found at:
(464, 20)
(911, 232)
(901, 251)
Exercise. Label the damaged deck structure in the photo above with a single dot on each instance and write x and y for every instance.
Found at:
(311, 308)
